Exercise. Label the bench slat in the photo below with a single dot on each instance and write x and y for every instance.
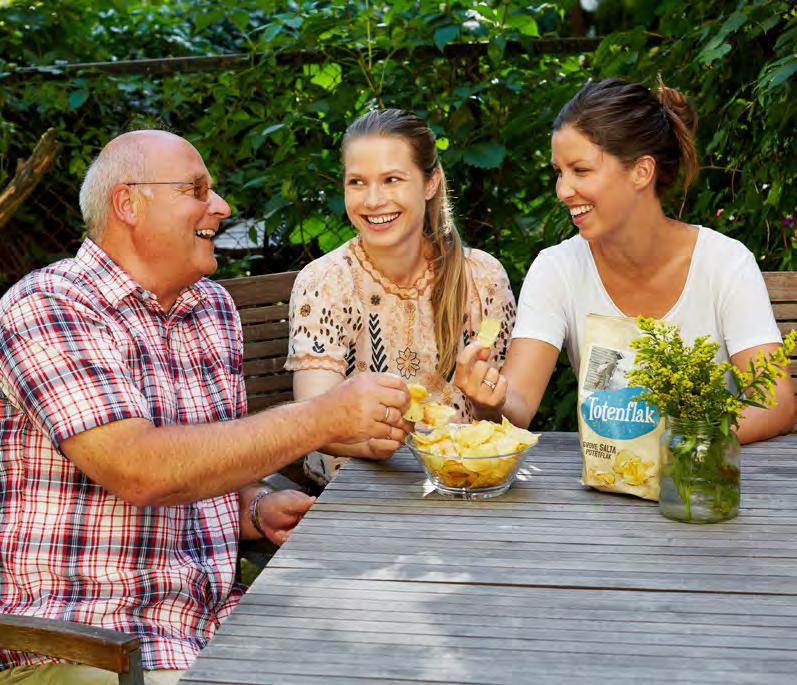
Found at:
(263, 367)
(258, 315)
(265, 348)
(782, 285)
(258, 290)
(258, 385)
(258, 402)
(785, 311)
(266, 331)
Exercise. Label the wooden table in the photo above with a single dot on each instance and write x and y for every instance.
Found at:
(385, 583)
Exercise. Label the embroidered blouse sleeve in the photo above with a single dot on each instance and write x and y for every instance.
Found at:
(497, 299)
(324, 317)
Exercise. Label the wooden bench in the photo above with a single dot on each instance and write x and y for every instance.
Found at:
(782, 288)
(263, 301)
(263, 305)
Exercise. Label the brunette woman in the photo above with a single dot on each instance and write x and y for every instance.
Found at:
(617, 148)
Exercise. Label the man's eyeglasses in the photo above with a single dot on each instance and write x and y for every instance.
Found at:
(201, 187)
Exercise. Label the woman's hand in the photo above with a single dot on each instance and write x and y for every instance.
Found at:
(481, 383)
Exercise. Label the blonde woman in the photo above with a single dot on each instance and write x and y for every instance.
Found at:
(404, 296)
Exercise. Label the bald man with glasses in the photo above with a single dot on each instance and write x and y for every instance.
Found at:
(130, 467)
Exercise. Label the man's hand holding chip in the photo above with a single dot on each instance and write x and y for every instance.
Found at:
(366, 410)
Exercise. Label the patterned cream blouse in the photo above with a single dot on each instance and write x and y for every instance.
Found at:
(347, 317)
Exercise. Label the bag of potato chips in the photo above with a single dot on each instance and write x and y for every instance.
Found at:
(619, 434)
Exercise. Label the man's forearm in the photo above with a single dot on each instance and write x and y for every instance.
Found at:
(179, 464)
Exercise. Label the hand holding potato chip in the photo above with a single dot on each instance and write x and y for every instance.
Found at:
(417, 394)
(431, 413)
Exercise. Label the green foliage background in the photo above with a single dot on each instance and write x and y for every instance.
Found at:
(270, 131)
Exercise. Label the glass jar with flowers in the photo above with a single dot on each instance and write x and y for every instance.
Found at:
(701, 401)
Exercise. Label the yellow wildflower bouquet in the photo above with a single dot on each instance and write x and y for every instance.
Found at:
(699, 473)
(686, 383)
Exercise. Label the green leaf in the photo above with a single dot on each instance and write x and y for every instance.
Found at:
(716, 47)
(486, 155)
(711, 53)
(524, 23)
(77, 98)
(732, 24)
(775, 77)
(271, 32)
(335, 235)
(773, 197)
(254, 182)
(495, 50)
(327, 76)
(725, 424)
(240, 18)
(205, 19)
(268, 130)
(444, 35)
(310, 228)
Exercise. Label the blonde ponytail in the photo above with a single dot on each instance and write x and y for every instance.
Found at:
(450, 293)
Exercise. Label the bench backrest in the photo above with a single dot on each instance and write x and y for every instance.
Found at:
(782, 287)
(262, 302)
(263, 305)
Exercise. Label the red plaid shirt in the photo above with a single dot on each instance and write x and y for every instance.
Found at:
(81, 345)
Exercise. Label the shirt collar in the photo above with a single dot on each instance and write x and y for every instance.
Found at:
(115, 284)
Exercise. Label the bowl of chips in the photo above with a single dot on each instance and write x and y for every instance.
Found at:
(472, 460)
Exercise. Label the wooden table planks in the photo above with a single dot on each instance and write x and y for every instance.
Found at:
(385, 582)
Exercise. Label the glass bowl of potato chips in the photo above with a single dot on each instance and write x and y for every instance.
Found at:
(472, 460)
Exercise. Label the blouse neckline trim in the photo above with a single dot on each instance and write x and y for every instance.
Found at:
(411, 292)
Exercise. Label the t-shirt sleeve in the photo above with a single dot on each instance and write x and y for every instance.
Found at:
(323, 317)
(745, 310)
(61, 366)
(542, 313)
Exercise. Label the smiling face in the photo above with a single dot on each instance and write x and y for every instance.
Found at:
(173, 236)
(385, 191)
(597, 188)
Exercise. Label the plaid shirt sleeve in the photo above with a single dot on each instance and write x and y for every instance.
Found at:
(61, 366)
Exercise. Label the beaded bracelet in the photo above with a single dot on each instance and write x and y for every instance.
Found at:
(253, 511)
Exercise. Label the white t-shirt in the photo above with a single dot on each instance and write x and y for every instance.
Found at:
(724, 297)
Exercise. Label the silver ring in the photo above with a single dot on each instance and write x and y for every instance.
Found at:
(489, 384)
(387, 415)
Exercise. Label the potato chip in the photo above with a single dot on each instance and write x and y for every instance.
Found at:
(488, 331)
(475, 433)
(417, 394)
(436, 414)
